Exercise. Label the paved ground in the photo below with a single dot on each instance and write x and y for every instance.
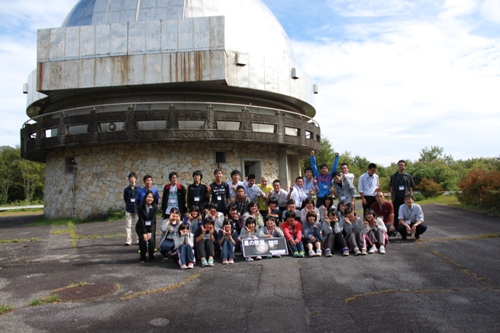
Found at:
(446, 282)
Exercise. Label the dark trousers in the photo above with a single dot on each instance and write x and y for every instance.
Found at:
(369, 201)
(421, 228)
(205, 248)
(144, 247)
(397, 202)
(335, 241)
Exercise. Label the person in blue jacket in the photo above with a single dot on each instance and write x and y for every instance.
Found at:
(323, 177)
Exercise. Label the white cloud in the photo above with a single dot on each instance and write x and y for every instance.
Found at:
(490, 9)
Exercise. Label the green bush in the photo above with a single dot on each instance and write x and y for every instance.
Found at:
(428, 188)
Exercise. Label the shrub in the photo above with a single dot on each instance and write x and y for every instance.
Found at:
(481, 188)
(428, 188)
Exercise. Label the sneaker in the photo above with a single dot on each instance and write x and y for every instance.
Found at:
(382, 249)
(394, 233)
(319, 253)
(372, 250)
(203, 262)
(363, 251)
(356, 251)
(184, 267)
(142, 261)
(417, 236)
(211, 262)
(224, 261)
(230, 261)
(311, 253)
(258, 258)
(127, 244)
(278, 256)
(190, 265)
(302, 254)
(269, 257)
(295, 254)
(345, 252)
(328, 253)
(249, 259)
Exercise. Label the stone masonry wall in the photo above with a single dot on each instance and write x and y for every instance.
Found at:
(102, 171)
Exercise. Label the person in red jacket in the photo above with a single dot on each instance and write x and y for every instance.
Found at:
(293, 234)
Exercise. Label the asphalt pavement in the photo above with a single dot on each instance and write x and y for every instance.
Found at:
(448, 281)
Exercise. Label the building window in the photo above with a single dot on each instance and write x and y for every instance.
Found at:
(228, 125)
(51, 132)
(152, 125)
(78, 129)
(69, 164)
(191, 124)
(264, 128)
(292, 131)
(112, 126)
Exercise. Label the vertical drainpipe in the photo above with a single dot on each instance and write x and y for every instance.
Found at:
(74, 185)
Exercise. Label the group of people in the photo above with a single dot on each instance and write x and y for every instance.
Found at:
(223, 214)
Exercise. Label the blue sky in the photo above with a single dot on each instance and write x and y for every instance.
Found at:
(394, 76)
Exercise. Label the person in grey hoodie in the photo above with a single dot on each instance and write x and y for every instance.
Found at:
(343, 189)
(332, 228)
(355, 232)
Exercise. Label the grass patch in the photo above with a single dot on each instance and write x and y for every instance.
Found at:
(5, 309)
(46, 300)
(79, 284)
(451, 200)
(19, 240)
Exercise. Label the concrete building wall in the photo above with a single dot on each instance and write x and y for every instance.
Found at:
(102, 171)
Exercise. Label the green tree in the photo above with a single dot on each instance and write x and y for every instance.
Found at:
(32, 175)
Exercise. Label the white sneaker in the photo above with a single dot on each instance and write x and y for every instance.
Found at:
(319, 253)
(184, 267)
(372, 250)
(249, 259)
(311, 253)
(382, 249)
(258, 258)
(356, 251)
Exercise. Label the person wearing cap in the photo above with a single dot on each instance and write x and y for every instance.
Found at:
(343, 189)
(234, 183)
(130, 207)
(323, 176)
(197, 194)
(271, 230)
(174, 196)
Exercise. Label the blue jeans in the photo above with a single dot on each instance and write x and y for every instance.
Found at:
(227, 250)
(296, 248)
(167, 245)
(186, 254)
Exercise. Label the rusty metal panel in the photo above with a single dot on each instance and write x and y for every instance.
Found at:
(169, 35)
(217, 62)
(86, 73)
(201, 33)
(43, 45)
(69, 76)
(168, 71)
(153, 36)
(152, 68)
(119, 70)
(72, 43)
(185, 35)
(103, 71)
(135, 70)
(57, 44)
(87, 40)
(136, 37)
(118, 38)
(103, 39)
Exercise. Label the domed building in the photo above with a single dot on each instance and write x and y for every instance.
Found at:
(154, 86)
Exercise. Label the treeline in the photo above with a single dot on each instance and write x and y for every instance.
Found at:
(434, 172)
(21, 181)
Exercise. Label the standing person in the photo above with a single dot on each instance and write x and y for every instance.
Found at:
(262, 200)
(130, 207)
(401, 185)
(146, 227)
(344, 169)
(297, 193)
(310, 183)
(197, 194)
(252, 190)
(308, 207)
(327, 204)
(279, 195)
(385, 210)
(324, 177)
(411, 219)
(234, 183)
(219, 191)
(344, 190)
(368, 186)
(148, 186)
(174, 196)
(241, 200)
(184, 243)
(293, 234)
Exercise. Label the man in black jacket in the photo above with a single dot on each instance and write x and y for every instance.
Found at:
(197, 194)
(174, 195)
(130, 207)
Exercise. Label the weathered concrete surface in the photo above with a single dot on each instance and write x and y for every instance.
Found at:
(445, 282)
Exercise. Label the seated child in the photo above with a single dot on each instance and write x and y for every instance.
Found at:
(376, 232)
(355, 232)
(184, 243)
(249, 231)
(205, 239)
(311, 229)
(271, 230)
(293, 234)
(227, 239)
(194, 219)
(332, 231)
(169, 228)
